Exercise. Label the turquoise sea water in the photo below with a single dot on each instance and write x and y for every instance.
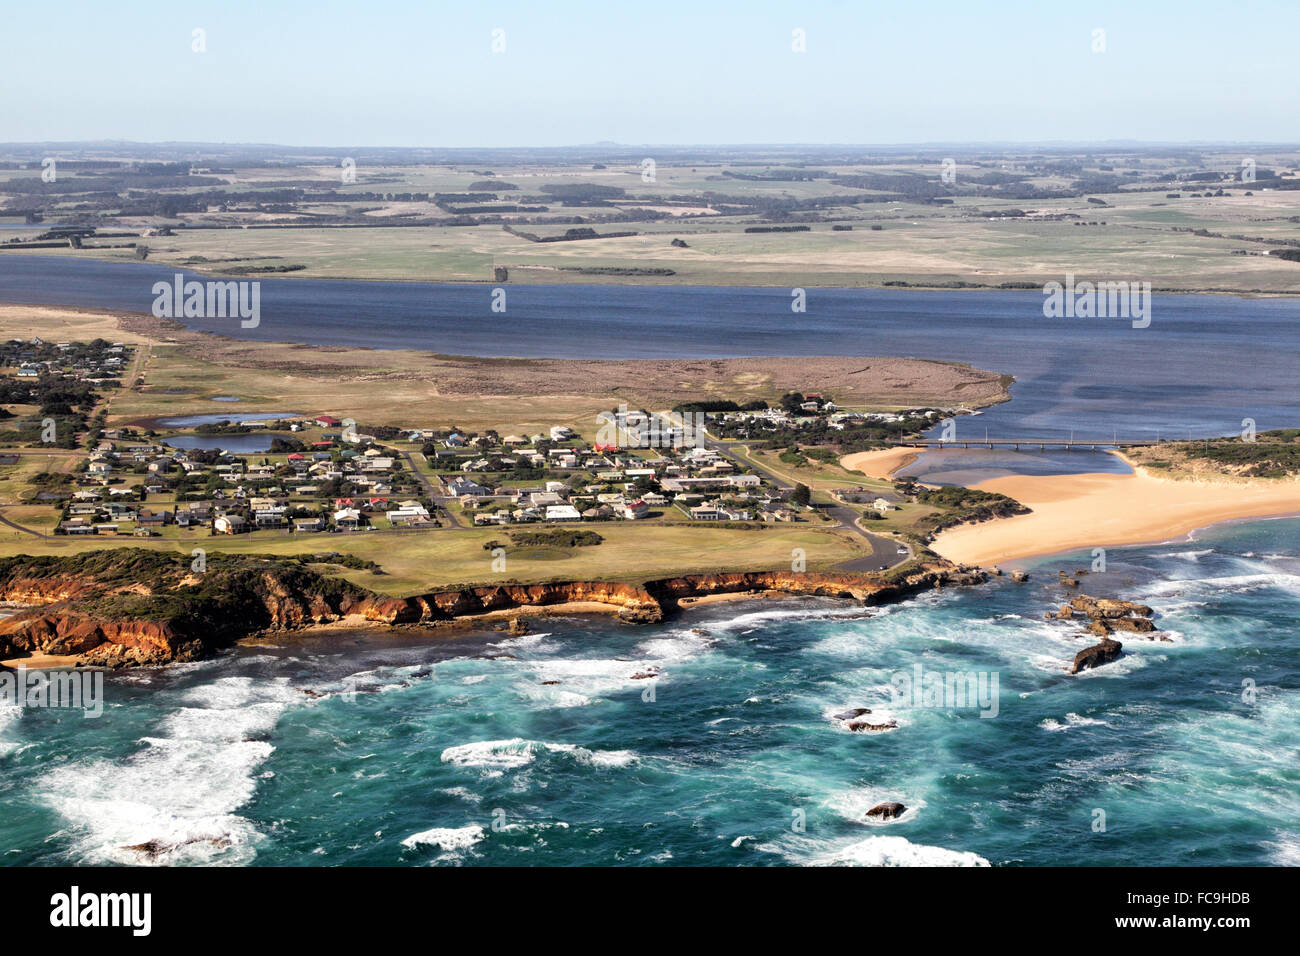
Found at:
(357, 749)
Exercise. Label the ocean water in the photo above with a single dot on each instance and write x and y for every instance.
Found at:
(484, 750)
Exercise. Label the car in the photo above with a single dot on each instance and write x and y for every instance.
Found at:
(903, 551)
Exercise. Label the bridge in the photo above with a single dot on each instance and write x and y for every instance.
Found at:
(1042, 444)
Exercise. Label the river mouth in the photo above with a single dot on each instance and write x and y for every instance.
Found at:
(971, 466)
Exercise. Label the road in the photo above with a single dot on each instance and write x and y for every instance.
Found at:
(433, 493)
(883, 550)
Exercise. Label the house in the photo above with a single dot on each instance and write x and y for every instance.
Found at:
(463, 486)
(409, 513)
(560, 432)
(514, 440)
(151, 519)
(309, 524)
(348, 519)
(271, 518)
(327, 421)
(230, 524)
(882, 506)
(636, 509)
(562, 513)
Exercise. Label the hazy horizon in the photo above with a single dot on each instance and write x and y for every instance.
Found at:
(411, 75)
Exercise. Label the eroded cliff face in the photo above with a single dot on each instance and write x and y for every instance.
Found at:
(104, 618)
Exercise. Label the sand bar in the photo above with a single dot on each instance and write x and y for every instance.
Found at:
(881, 463)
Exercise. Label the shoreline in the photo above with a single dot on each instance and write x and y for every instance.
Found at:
(296, 275)
(881, 463)
(297, 607)
(1099, 510)
(475, 623)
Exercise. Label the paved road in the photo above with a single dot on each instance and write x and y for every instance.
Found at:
(884, 551)
(433, 492)
(35, 534)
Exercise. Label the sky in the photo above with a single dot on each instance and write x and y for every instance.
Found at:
(350, 73)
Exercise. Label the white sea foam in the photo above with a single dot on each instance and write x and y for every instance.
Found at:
(1234, 583)
(536, 641)
(495, 754)
(895, 851)
(451, 840)
(177, 795)
(1071, 720)
(582, 681)
(500, 755)
(1286, 850)
(9, 722)
(853, 804)
(1126, 664)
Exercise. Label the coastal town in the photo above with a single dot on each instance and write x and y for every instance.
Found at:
(259, 475)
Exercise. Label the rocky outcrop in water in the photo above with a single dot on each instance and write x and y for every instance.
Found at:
(887, 811)
(1107, 616)
(1098, 654)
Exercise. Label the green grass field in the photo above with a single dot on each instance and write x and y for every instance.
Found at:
(415, 562)
(1131, 235)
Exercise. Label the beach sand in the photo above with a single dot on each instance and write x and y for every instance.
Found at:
(1073, 512)
(881, 463)
(43, 661)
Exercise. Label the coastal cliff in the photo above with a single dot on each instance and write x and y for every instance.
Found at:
(132, 607)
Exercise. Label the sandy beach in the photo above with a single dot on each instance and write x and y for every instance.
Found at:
(881, 463)
(1072, 512)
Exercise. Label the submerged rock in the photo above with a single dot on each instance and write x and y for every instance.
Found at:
(851, 713)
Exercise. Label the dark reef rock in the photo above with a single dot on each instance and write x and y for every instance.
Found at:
(1097, 655)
